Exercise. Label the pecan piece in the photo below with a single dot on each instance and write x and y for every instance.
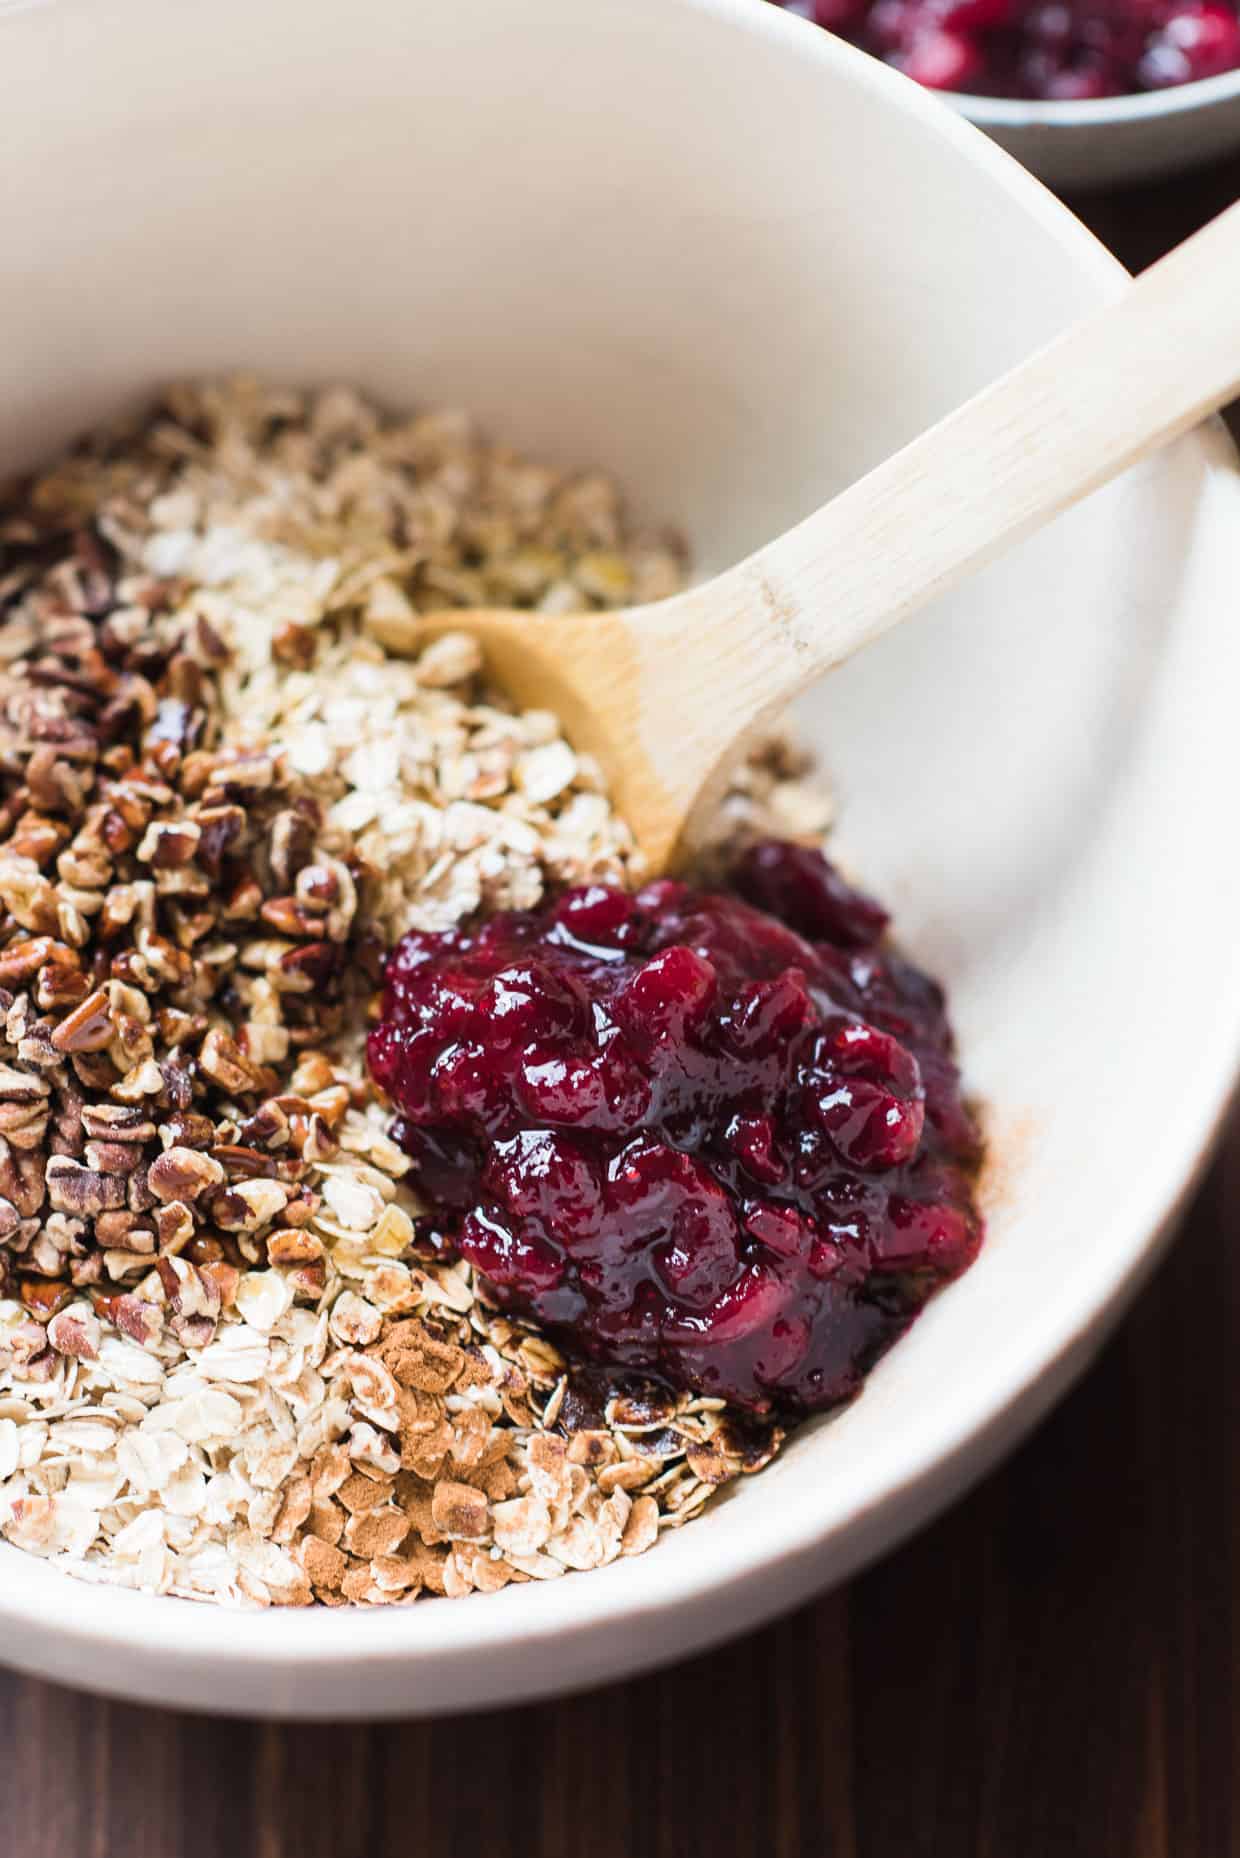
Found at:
(221, 830)
(71, 1188)
(223, 1279)
(224, 1062)
(75, 1331)
(312, 963)
(249, 1205)
(169, 844)
(242, 1163)
(24, 1124)
(112, 1157)
(37, 838)
(88, 1028)
(269, 1126)
(244, 901)
(183, 1174)
(288, 916)
(60, 985)
(113, 1229)
(22, 1180)
(143, 1322)
(294, 645)
(22, 959)
(293, 1245)
(44, 1298)
(117, 1122)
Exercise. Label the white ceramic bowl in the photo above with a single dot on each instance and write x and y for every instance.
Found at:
(1115, 140)
(738, 263)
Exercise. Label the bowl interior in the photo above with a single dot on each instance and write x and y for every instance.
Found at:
(736, 306)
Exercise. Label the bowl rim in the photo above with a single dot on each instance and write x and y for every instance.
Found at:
(152, 1633)
(1141, 106)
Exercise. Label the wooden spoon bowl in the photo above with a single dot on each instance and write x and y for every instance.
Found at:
(667, 696)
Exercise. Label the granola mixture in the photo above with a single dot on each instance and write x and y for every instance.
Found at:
(232, 1364)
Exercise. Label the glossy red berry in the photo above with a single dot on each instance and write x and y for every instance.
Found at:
(1049, 50)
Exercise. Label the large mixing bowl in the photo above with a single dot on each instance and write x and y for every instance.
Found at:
(736, 263)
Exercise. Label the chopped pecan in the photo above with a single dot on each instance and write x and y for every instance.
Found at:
(143, 1322)
(95, 1071)
(249, 1205)
(175, 1226)
(88, 1028)
(318, 884)
(169, 844)
(223, 1278)
(84, 869)
(188, 1129)
(309, 1280)
(20, 960)
(139, 1197)
(294, 645)
(37, 837)
(22, 1180)
(115, 1228)
(24, 1124)
(241, 1162)
(240, 775)
(118, 835)
(312, 963)
(312, 1138)
(26, 1342)
(21, 1086)
(183, 1174)
(221, 833)
(224, 1062)
(117, 1122)
(60, 984)
(293, 1245)
(44, 1297)
(75, 1331)
(112, 1157)
(289, 916)
(268, 1128)
(71, 1188)
(244, 901)
(291, 843)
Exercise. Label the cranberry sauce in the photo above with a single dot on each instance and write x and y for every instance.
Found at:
(717, 1137)
(1053, 50)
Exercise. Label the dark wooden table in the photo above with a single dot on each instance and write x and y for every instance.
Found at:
(1047, 1672)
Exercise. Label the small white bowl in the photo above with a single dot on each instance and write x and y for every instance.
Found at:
(736, 262)
(1114, 140)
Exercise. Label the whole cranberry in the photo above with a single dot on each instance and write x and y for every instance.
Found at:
(941, 60)
(973, 16)
(838, 15)
(1196, 41)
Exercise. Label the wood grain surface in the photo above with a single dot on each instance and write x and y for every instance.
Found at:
(1047, 1672)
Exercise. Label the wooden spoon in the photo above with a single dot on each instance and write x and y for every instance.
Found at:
(667, 696)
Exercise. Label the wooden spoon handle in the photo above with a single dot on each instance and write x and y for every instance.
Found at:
(1112, 388)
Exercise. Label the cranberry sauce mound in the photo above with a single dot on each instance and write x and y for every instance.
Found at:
(715, 1136)
(1048, 50)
